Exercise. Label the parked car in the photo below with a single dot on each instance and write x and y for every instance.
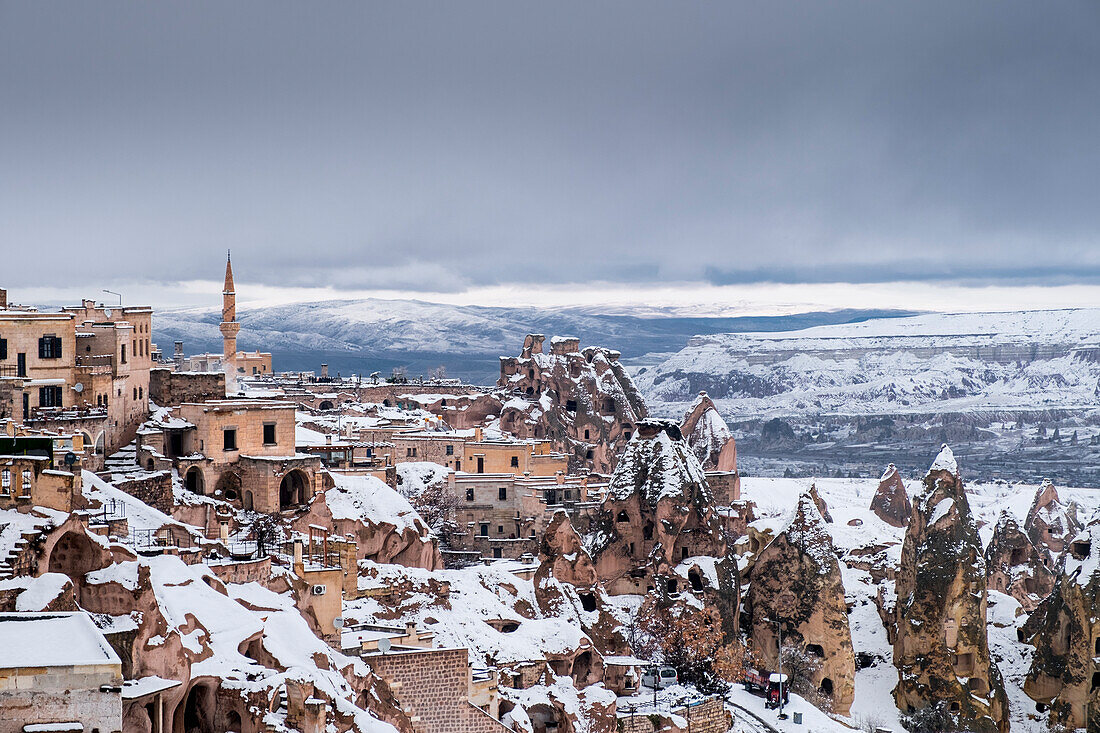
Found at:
(666, 677)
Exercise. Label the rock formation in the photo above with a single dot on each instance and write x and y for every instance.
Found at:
(822, 507)
(796, 582)
(1014, 566)
(566, 586)
(891, 502)
(384, 524)
(941, 649)
(1065, 630)
(1050, 523)
(657, 525)
(709, 436)
(583, 401)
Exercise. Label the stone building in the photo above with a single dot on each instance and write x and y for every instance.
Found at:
(239, 450)
(504, 515)
(472, 451)
(85, 368)
(941, 648)
(437, 688)
(1050, 523)
(584, 402)
(34, 473)
(57, 673)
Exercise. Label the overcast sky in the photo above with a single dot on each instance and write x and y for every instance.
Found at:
(468, 148)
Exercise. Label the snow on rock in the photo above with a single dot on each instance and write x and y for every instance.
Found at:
(945, 461)
(368, 499)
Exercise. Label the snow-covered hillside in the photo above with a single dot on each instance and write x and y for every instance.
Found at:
(927, 363)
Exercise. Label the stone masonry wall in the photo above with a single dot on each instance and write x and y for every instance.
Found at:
(433, 687)
(154, 489)
(706, 717)
(168, 388)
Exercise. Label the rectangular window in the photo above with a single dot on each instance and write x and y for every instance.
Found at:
(3, 349)
(25, 489)
(502, 493)
(469, 494)
(5, 481)
(484, 530)
(49, 396)
(124, 353)
(450, 450)
(49, 347)
(229, 439)
(515, 461)
(269, 433)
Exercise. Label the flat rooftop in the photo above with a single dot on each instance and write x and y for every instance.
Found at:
(52, 640)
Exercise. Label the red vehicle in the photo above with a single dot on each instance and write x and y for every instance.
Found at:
(778, 684)
(755, 681)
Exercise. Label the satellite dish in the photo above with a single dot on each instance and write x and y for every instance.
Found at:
(384, 645)
(78, 387)
(107, 312)
(338, 622)
(70, 458)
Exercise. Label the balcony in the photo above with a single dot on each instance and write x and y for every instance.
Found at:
(96, 364)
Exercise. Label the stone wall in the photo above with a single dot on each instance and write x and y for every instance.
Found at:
(167, 387)
(433, 686)
(248, 571)
(155, 489)
(60, 694)
(706, 717)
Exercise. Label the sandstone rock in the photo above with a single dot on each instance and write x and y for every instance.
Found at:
(891, 502)
(1050, 523)
(566, 586)
(709, 436)
(1065, 629)
(941, 649)
(822, 507)
(657, 526)
(1014, 566)
(582, 401)
(796, 581)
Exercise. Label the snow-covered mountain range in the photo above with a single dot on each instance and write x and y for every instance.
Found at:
(373, 334)
(956, 362)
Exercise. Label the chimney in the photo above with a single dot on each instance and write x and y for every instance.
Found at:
(478, 435)
(3, 299)
(177, 355)
(324, 371)
(297, 551)
(223, 531)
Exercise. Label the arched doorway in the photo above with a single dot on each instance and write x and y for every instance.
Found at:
(293, 489)
(72, 555)
(247, 501)
(193, 480)
(198, 711)
(326, 405)
(100, 444)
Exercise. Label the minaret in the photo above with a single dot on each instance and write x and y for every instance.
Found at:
(229, 328)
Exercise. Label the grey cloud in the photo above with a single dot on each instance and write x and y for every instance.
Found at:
(439, 146)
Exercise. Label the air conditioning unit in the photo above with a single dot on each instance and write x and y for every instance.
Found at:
(319, 590)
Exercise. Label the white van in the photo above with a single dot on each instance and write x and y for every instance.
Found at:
(666, 677)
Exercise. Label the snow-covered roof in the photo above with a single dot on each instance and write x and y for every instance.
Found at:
(52, 640)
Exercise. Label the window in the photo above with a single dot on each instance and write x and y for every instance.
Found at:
(450, 450)
(269, 433)
(25, 489)
(498, 553)
(124, 353)
(141, 393)
(586, 434)
(49, 347)
(480, 464)
(502, 493)
(135, 393)
(5, 481)
(49, 396)
(500, 529)
(229, 439)
(484, 530)
(515, 461)
(571, 405)
(3, 348)
(469, 494)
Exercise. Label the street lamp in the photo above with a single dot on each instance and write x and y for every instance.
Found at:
(112, 292)
(779, 632)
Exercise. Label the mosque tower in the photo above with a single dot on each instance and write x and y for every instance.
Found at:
(229, 328)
